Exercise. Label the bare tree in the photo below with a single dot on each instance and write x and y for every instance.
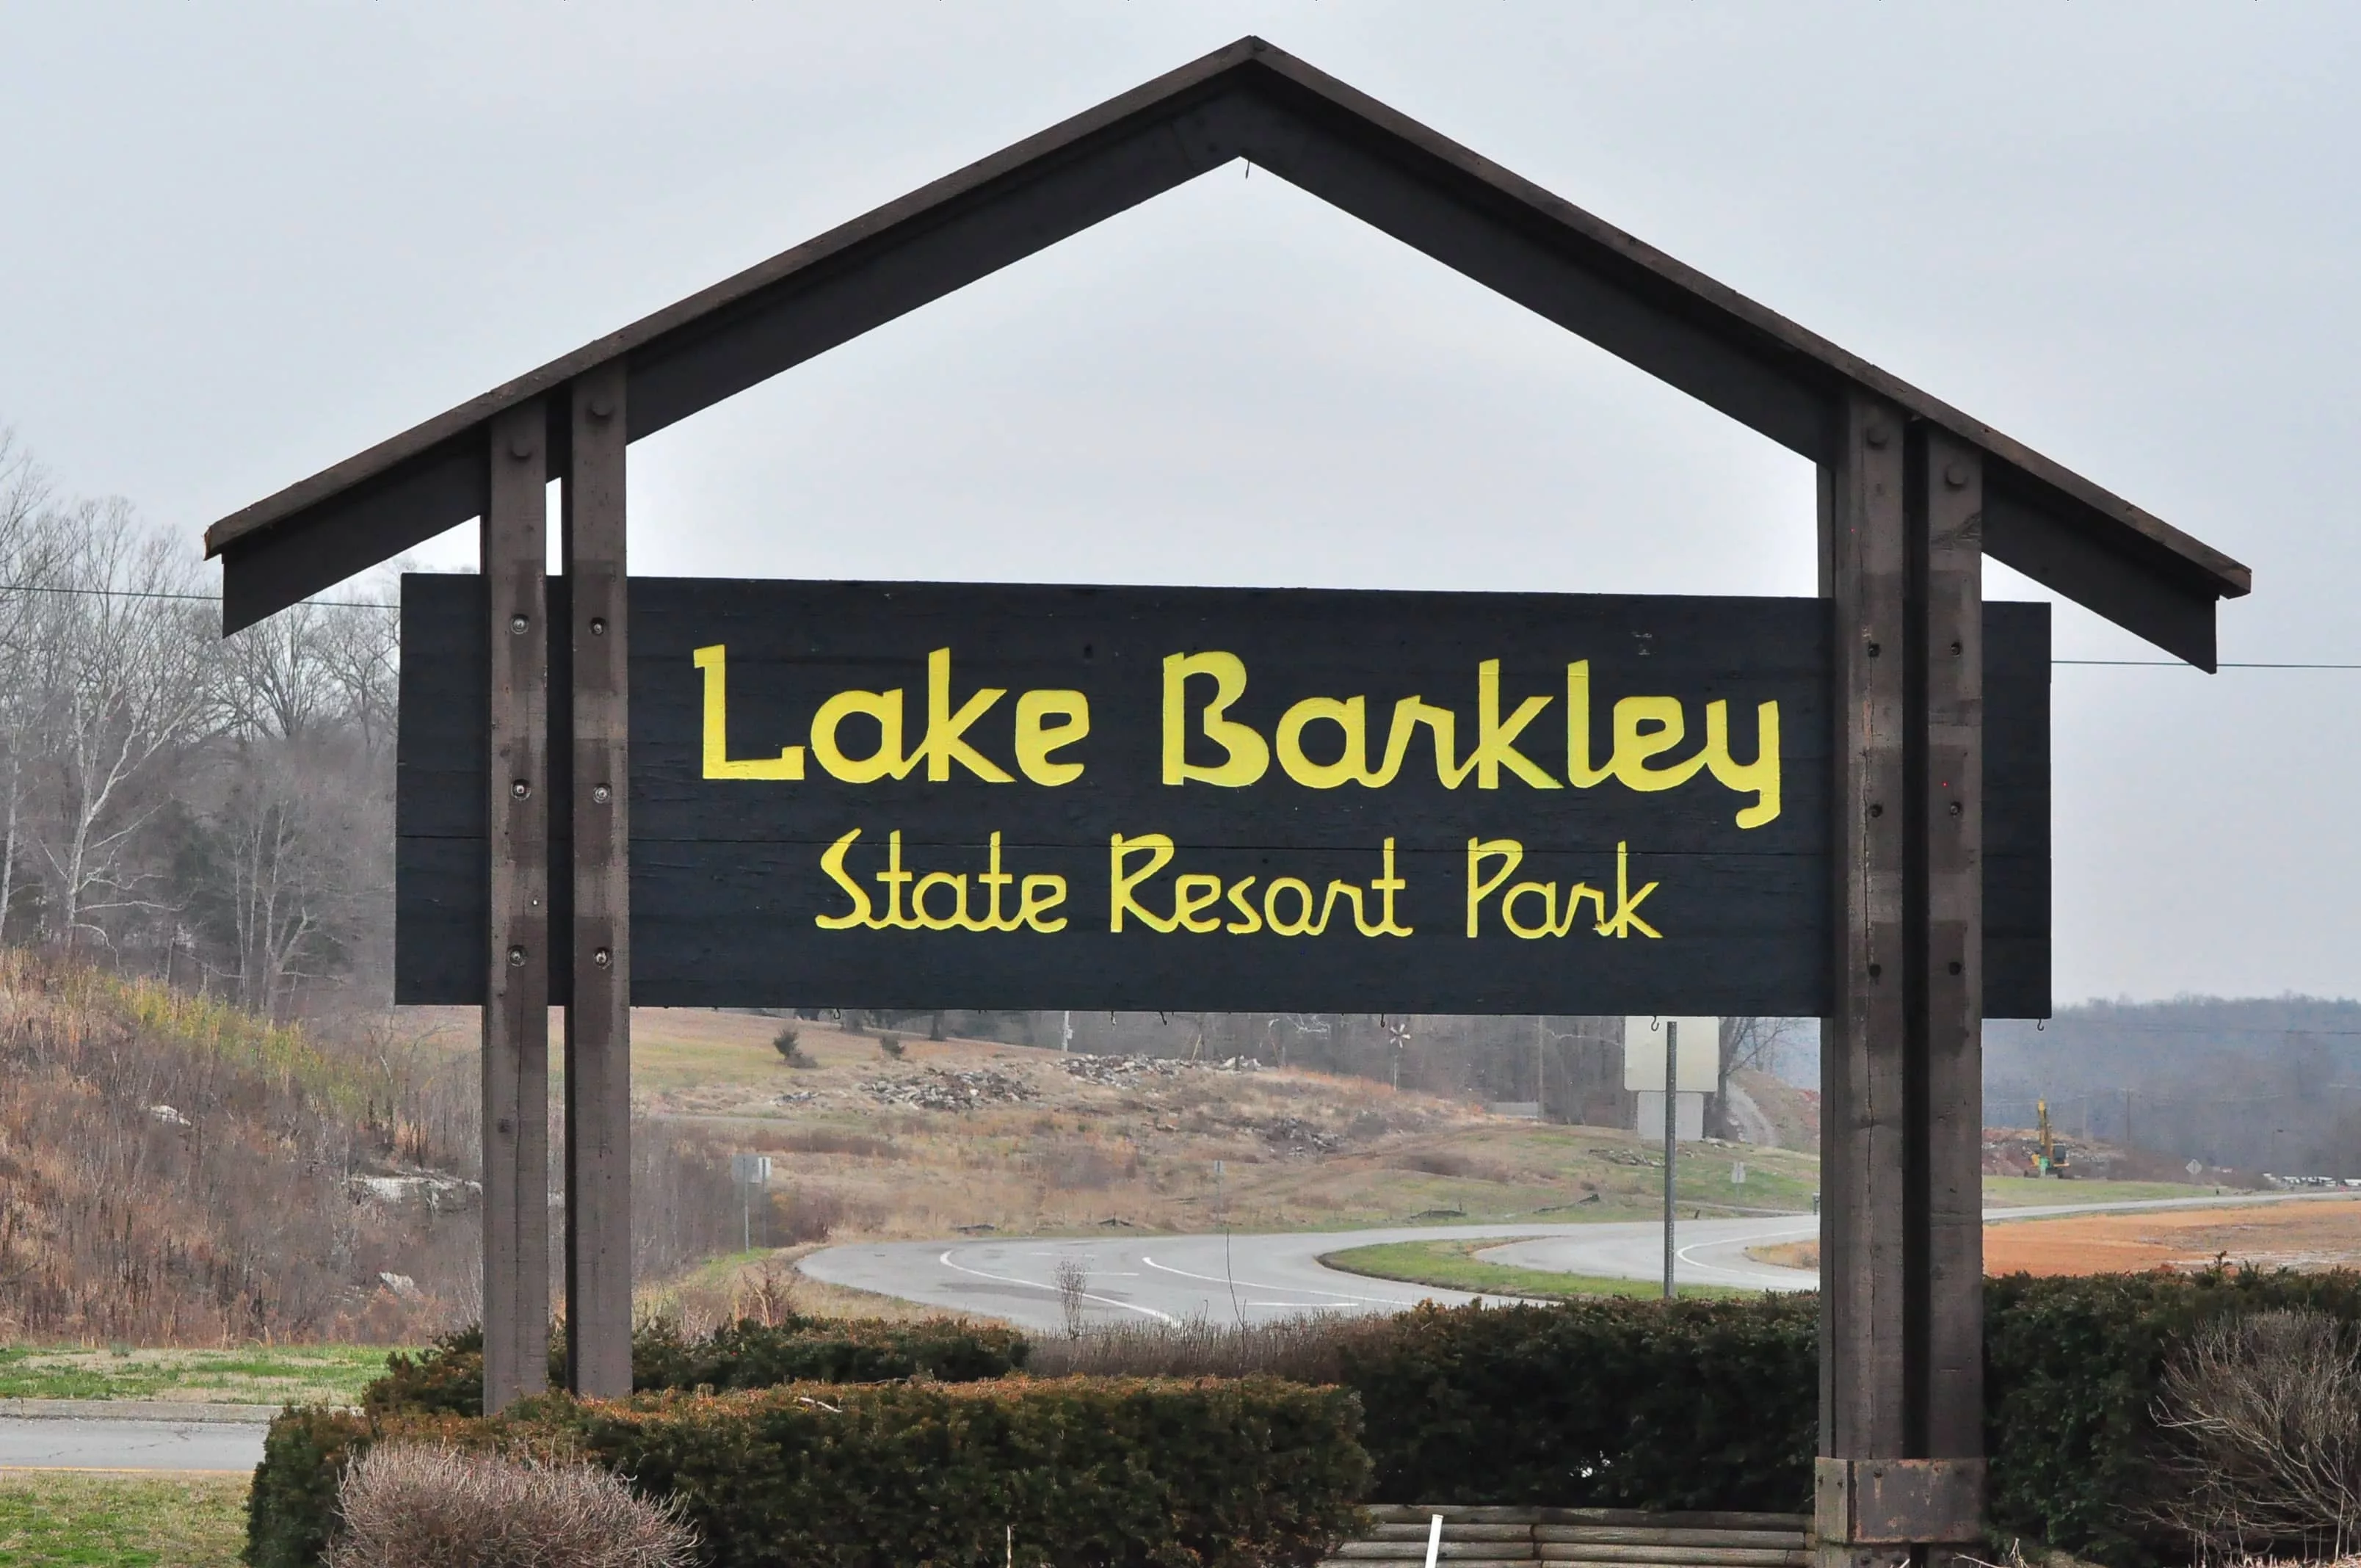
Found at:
(28, 560)
(123, 672)
(1073, 1290)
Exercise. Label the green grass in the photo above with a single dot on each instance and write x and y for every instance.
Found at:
(2026, 1191)
(1451, 1264)
(251, 1374)
(49, 1519)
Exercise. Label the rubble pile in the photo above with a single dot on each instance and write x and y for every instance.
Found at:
(951, 1088)
(1297, 1136)
(1115, 1072)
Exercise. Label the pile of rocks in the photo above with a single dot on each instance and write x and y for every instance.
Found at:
(1299, 1136)
(951, 1088)
(1116, 1071)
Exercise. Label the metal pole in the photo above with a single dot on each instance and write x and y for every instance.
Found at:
(1672, 1079)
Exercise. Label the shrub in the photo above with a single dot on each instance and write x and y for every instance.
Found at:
(448, 1377)
(2263, 1416)
(291, 1508)
(1308, 1349)
(787, 1042)
(406, 1503)
(1608, 1402)
(1105, 1473)
(2072, 1372)
(892, 1045)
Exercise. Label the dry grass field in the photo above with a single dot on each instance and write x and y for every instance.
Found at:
(968, 1136)
(2307, 1233)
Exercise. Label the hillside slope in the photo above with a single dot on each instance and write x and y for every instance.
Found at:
(968, 1135)
(173, 1170)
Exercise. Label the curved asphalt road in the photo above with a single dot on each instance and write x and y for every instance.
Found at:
(81, 1443)
(1240, 1278)
(1255, 1279)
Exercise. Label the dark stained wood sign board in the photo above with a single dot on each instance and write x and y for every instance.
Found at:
(927, 796)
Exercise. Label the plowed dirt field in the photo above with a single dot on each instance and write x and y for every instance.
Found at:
(2325, 1233)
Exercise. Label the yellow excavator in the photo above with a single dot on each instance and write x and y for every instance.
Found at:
(2047, 1160)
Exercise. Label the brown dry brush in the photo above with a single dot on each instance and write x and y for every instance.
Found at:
(405, 1505)
(172, 1172)
(1306, 1348)
(176, 1171)
(2263, 1415)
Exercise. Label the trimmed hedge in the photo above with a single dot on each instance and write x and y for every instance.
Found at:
(2071, 1369)
(1103, 1473)
(1617, 1402)
(1606, 1402)
(1632, 1403)
(448, 1377)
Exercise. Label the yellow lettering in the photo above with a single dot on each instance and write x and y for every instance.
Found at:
(1386, 886)
(1760, 775)
(958, 919)
(1247, 754)
(1036, 740)
(1408, 714)
(1634, 745)
(1042, 892)
(1249, 919)
(1574, 897)
(1348, 890)
(1626, 902)
(886, 707)
(788, 764)
(1496, 742)
(1480, 886)
(943, 745)
(995, 881)
(1350, 715)
(1301, 924)
(1193, 894)
(1158, 847)
(832, 862)
(1547, 893)
(1578, 770)
(894, 876)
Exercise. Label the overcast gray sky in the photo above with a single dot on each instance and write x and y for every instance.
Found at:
(239, 244)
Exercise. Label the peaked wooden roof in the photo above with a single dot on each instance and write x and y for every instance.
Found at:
(1255, 102)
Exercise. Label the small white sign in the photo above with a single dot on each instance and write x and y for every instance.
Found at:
(1643, 1054)
(751, 1168)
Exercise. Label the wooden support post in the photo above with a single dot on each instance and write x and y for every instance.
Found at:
(1947, 488)
(516, 1011)
(1902, 1360)
(598, 1011)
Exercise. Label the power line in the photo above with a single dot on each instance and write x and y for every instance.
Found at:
(186, 598)
(377, 604)
(2226, 664)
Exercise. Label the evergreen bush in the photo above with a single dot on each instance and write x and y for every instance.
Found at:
(1101, 1472)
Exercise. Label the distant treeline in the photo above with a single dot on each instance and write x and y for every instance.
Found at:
(2266, 1084)
(217, 812)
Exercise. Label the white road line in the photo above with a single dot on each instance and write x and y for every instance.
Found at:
(1031, 1285)
(1264, 1285)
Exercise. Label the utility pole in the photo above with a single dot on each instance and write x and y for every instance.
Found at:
(1672, 1098)
(1541, 1099)
(1066, 1033)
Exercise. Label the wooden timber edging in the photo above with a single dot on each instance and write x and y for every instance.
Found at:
(1602, 1536)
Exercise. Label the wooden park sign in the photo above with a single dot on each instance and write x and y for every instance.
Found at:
(872, 795)
(894, 794)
